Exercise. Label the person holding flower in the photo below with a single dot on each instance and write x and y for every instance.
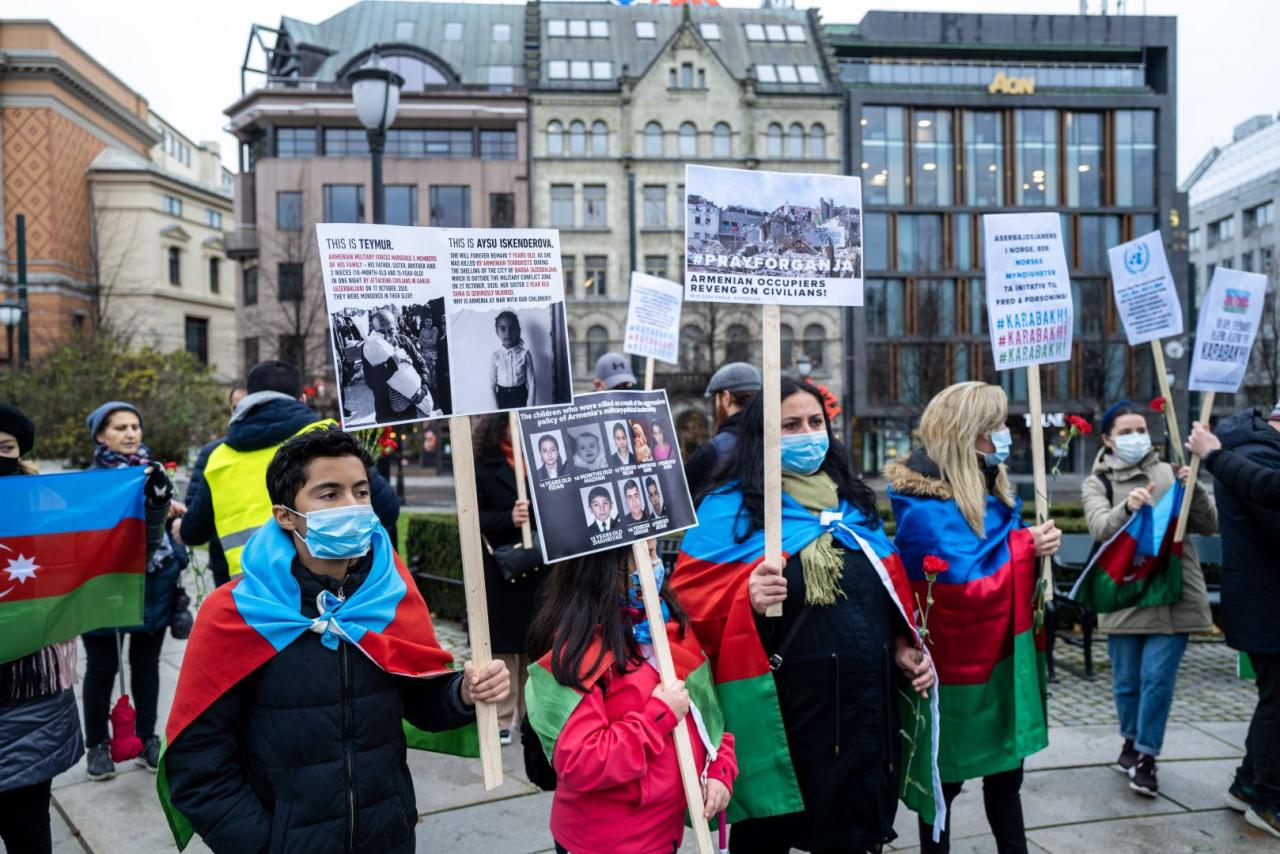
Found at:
(1146, 644)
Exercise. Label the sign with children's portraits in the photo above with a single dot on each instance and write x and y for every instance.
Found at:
(653, 318)
(606, 472)
(1146, 295)
(428, 322)
(1029, 305)
(1229, 319)
(783, 238)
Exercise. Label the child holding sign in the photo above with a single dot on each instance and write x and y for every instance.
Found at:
(606, 721)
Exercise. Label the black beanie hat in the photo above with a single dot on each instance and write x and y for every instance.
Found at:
(13, 421)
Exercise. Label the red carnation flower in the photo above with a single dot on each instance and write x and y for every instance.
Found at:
(170, 466)
(1080, 424)
(309, 391)
(1158, 404)
(935, 565)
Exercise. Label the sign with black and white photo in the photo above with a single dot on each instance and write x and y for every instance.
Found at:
(428, 322)
(787, 238)
(606, 472)
(1229, 319)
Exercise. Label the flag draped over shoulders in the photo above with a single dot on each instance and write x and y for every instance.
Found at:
(1141, 565)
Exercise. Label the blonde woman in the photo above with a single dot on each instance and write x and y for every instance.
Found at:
(961, 537)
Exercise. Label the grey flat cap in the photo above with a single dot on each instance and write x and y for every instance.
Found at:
(735, 376)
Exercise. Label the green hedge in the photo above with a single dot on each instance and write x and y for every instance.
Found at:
(432, 547)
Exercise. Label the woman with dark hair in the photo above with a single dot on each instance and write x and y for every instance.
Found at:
(812, 696)
(511, 604)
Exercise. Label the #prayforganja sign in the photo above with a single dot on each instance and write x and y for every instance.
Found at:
(653, 318)
(1144, 289)
(1028, 290)
(1228, 325)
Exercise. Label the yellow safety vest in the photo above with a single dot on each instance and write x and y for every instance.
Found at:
(238, 487)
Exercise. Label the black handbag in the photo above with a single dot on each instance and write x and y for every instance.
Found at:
(515, 562)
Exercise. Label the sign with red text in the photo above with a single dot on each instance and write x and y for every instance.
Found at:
(1029, 305)
(1229, 319)
(653, 318)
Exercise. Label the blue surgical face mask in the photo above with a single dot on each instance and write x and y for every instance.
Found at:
(1133, 448)
(803, 453)
(1003, 440)
(339, 533)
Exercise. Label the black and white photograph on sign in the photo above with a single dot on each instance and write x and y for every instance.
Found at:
(524, 363)
(772, 237)
(609, 488)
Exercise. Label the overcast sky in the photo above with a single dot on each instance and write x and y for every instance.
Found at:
(186, 59)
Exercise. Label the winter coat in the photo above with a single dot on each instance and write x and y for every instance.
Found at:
(618, 789)
(269, 423)
(700, 468)
(1105, 518)
(511, 606)
(217, 560)
(1250, 538)
(1250, 481)
(307, 753)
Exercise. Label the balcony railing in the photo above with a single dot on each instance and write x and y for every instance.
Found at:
(243, 242)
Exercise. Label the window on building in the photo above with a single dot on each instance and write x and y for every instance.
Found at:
(786, 346)
(344, 203)
(1097, 235)
(404, 31)
(215, 275)
(933, 157)
(449, 143)
(815, 345)
(213, 218)
(795, 33)
(555, 139)
(249, 286)
(346, 142)
(569, 265)
(289, 210)
(795, 140)
(655, 206)
(175, 265)
(595, 279)
(578, 29)
(755, 32)
(292, 349)
(197, 329)
(599, 29)
(672, 79)
(562, 206)
(962, 241)
(710, 31)
(557, 28)
(809, 74)
(1221, 230)
(884, 177)
(502, 75)
(289, 276)
(498, 145)
(451, 206)
(502, 210)
(686, 75)
(935, 312)
(1246, 262)
(920, 242)
(418, 73)
(252, 355)
(1259, 217)
(1084, 159)
(680, 205)
(502, 32)
(1036, 164)
(173, 205)
(721, 140)
(646, 30)
(1135, 157)
(875, 240)
(766, 73)
(580, 69)
(787, 74)
(594, 213)
(601, 70)
(693, 347)
(292, 143)
(775, 32)
(978, 307)
(984, 158)
(599, 139)
(558, 69)
(1266, 260)
(653, 140)
(885, 308)
(577, 139)
(773, 140)
(737, 346)
(597, 344)
(688, 140)
(1193, 240)
(656, 265)
(1227, 263)
(401, 204)
(453, 31)
(817, 142)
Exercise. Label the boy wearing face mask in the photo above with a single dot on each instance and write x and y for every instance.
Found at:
(286, 731)
(1145, 644)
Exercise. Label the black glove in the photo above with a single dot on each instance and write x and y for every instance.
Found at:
(157, 487)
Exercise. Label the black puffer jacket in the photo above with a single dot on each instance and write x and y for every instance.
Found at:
(1250, 538)
(307, 753)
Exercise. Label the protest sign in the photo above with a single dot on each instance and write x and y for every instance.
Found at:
(432, 321)
(1146, 295)
(785, 238)
(607, 472)
(653, 318)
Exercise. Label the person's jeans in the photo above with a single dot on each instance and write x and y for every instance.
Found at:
(101, 665)
(1002, 799)
(24, 819)
(1144, 669)
(1261, 767)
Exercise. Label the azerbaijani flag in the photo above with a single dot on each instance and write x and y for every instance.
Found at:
(990, 660)
(244, 623)
(73, 556)
(711, 577)
(1141, 565)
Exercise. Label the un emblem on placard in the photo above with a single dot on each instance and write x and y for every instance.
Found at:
(1137, 258)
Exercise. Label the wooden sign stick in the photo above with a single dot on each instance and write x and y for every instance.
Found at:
(522, 488)
(1180, 533)
(772, 391)
(690, 774)
(1037, 468)
(1170, 414)
(648, 374)
(464, 480)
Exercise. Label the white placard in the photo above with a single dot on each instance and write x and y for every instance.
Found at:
(1028, 290)
(653, 318)
(427, 322)
(1146, 295)
(786, 238)
(1228, 324)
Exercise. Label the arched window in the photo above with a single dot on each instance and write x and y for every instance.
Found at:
(653, 140)
(817, 142)
(599, 139)
(815, 344)
(774, 147)
(738, 346)
(555, 139)
(417, 72)
(786, 346)
(577, 139)
(722, 140)
(597, 344)
(795, 141)
(688, 140)
(693, 347)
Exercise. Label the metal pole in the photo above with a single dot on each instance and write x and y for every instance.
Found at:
(377, 138)
(24, 336)
(8, 331)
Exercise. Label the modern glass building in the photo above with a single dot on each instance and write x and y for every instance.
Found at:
(950, 116)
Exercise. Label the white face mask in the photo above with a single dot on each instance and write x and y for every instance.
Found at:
(1132, 448)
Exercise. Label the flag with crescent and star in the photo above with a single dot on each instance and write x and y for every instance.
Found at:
(73, 556)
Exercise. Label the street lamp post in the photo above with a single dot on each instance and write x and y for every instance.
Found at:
(10, 317)
(376, 93)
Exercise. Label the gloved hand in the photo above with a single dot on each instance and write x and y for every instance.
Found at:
(157, 487)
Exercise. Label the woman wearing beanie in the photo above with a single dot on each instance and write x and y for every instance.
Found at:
(1145, 643)
(39, 723)
(116, 429)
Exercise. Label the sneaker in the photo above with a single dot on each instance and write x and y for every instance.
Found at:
(1142, 776)
(1128, 756)
(1264, 819)
(1239, 797)
(100, 765)
(149, 758)
(504, 737)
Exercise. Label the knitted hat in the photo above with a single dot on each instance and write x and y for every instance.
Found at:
(99, 416)
(1109, 417)
(12, 421)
